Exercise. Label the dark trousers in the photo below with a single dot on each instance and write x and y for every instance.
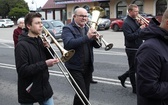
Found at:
(82, 78)
(131, 62)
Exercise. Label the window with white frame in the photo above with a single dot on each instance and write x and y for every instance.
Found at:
(121, 9)
(139, 3)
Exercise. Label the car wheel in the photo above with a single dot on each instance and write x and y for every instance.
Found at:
(3, 25)
(115, 27)
(107, 28)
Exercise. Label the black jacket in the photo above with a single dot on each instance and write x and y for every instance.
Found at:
(131, 32)
(73, 39)
(152, 67)
(30, 56)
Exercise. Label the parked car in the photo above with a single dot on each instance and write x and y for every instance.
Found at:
(116, 24)
(104, 23)
(6, 23)
(54, 27)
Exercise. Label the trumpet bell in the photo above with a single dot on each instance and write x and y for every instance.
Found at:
(97, 8)
(109, 46)
(98, 12)
(66, 56)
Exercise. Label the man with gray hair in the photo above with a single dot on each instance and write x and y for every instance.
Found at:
(81, 38)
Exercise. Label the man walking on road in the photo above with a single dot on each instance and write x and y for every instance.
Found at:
(131, 29)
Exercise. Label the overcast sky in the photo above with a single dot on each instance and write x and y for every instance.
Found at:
(39, 3)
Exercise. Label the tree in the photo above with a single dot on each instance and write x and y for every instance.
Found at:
(20, 10)
(14, 5)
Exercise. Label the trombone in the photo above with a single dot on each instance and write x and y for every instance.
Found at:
(146, 22)
(97, 12)
(66, 55)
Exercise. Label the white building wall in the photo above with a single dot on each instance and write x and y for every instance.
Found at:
(43, 14)
(50, 15)
(57, 15)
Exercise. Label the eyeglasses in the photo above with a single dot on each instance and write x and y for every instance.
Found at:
(83, 16)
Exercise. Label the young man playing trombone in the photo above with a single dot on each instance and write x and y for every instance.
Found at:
(78, 36)
(32, 62)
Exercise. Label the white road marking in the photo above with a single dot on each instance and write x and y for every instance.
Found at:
(60, 74)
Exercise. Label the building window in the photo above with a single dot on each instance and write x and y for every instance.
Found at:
(121, 9)
(75, 8)
(106, 7)
(161, 6)
(139, 3)
(86, 7)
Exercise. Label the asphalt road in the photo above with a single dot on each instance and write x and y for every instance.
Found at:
(108, 65)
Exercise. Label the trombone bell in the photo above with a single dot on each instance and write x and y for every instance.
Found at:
(66, 56)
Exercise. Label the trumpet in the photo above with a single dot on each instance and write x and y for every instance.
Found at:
(97, 12)
(146, 22)
(66, 55)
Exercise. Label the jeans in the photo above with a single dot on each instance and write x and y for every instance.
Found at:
(50, 101)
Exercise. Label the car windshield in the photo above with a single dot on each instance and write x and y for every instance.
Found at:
(57, 23)
(8, 20)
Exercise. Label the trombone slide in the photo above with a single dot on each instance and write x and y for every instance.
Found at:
(66, 55)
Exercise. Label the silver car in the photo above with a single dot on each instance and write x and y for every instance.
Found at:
(54, 27)
(104, 23)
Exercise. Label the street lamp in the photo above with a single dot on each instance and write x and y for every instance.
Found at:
(32, 6)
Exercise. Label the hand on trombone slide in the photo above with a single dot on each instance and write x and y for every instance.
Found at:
(52, 62)
(49, 62)
(46, 44)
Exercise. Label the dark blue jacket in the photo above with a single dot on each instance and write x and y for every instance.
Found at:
(152, 67)
(131, 32)
(73, 39)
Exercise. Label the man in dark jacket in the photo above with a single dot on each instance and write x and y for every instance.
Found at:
(152, 65)
(131, 29)
(79, 37)
(32, 62)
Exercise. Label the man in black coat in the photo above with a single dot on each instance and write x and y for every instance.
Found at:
(32, 62)
(79, 37)
(152, 64)
(131, 29)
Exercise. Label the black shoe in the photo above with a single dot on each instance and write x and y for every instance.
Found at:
(122, 81)
(93, 82)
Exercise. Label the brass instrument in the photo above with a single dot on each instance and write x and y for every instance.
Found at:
(66, 55)
(146, 22)
(96, 13)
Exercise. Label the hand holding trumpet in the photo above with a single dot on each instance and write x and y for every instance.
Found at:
(92, 34)
(141, 22)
